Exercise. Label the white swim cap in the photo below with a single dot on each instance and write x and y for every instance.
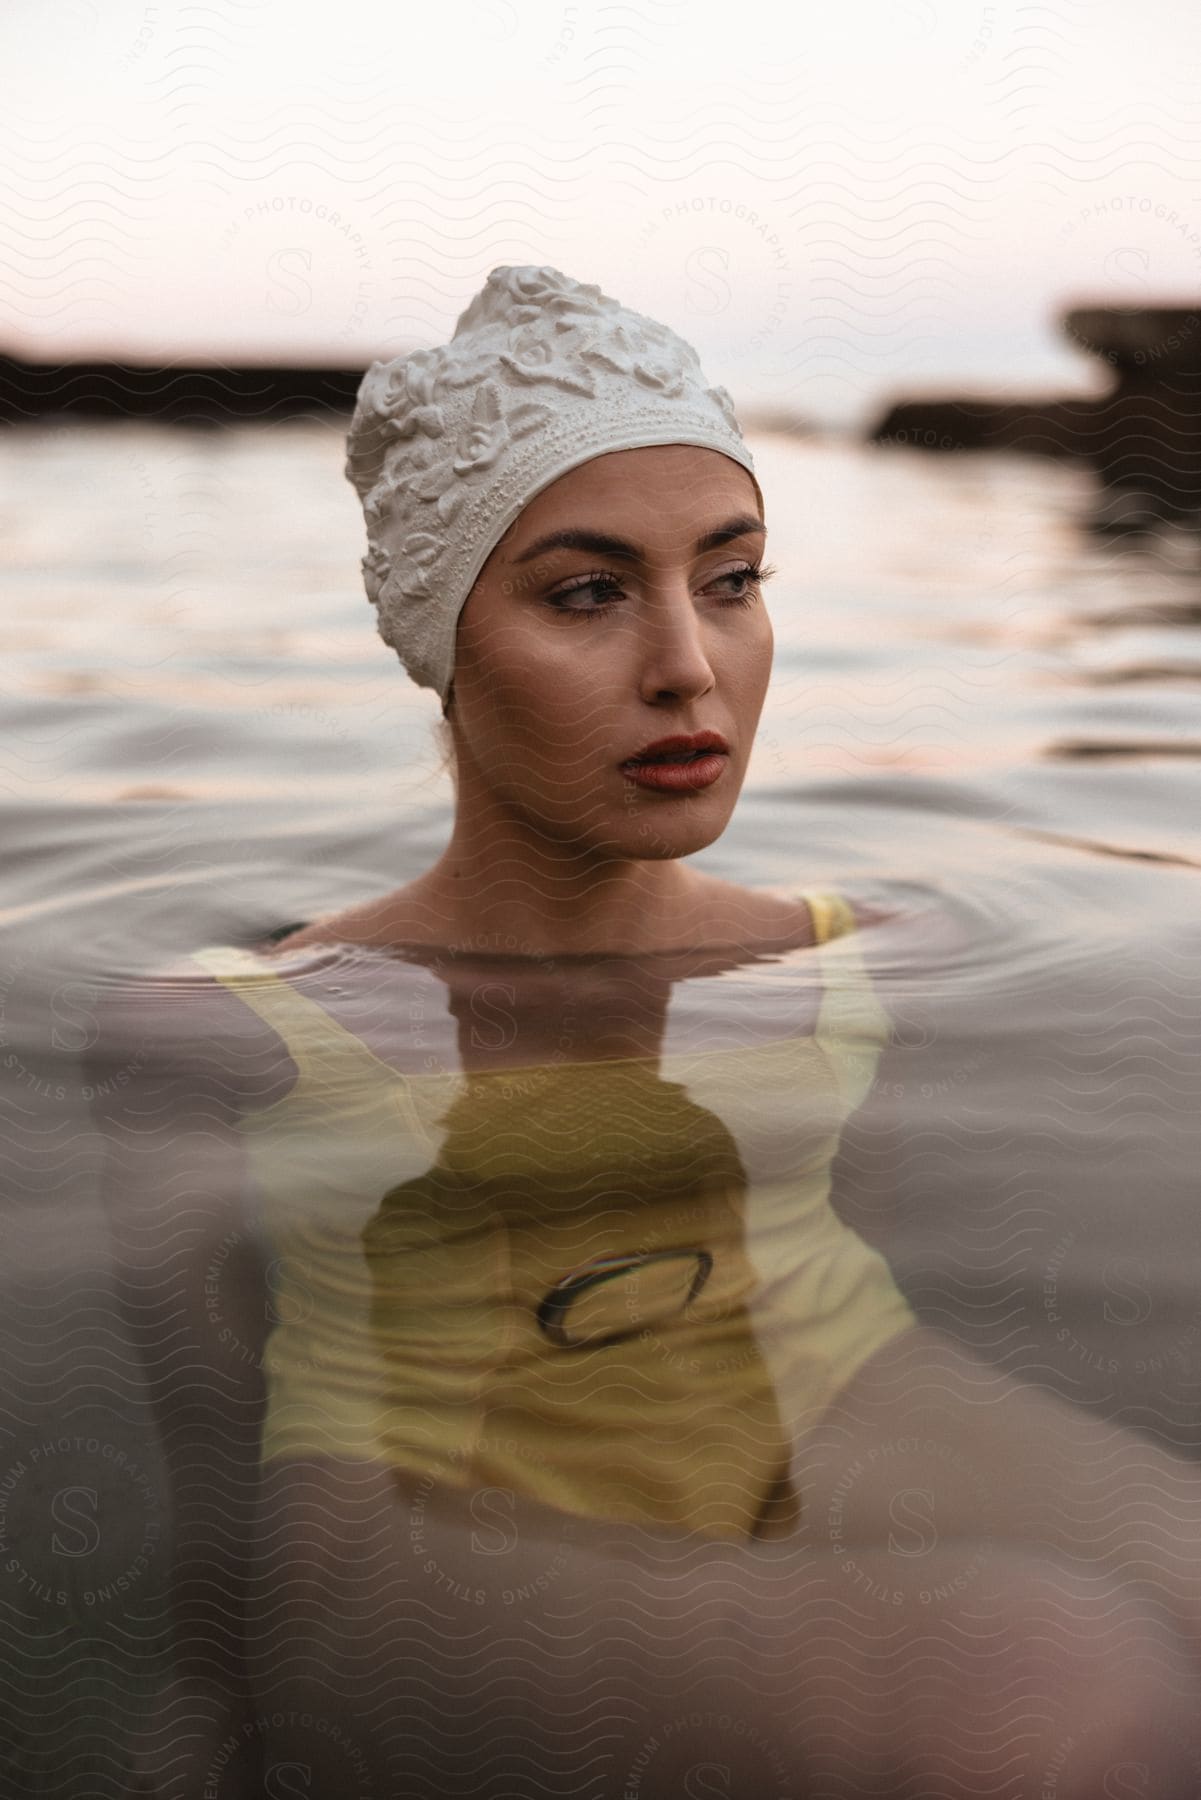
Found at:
(448, 445)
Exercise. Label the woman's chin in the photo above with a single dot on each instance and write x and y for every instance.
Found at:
(650, 840)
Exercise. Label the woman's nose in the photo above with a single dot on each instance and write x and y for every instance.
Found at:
(674, 656)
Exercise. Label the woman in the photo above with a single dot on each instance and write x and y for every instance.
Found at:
(619, 608)
(510, 510)
(592, 1441)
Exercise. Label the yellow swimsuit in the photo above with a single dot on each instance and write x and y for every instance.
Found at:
(616, 1286)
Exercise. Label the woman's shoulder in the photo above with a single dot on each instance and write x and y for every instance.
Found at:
(925, 919)
(728, 913)
(797, 918)
(816, 911)
(725, 912)
(381, 922)
(759, 919)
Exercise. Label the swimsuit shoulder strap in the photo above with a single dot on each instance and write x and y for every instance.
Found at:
(832, 915)
(852, 1025)
(317, 1044)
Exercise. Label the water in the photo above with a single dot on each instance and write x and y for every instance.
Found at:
(978, 704)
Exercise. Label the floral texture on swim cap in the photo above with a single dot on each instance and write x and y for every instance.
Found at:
(448, 445)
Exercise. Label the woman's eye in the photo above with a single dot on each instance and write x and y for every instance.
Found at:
(603, 587)
(750, 575)
(745, 579)
(606, 585)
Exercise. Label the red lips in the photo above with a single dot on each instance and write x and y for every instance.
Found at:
(663, 748)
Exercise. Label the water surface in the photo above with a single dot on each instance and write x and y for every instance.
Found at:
(978, 705)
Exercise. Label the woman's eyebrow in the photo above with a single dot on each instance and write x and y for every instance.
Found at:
(600, 543)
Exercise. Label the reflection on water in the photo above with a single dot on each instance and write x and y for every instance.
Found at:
(434, 1281)
(455, 1358)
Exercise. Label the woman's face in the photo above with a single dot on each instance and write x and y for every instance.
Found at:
(571, 659)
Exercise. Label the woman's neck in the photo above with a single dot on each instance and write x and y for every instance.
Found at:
(561, 908)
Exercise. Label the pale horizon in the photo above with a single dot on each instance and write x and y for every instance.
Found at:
(835, 210)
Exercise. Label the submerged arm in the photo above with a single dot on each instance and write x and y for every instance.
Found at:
(922, 1444)
(190, 1284)
(926, 1445)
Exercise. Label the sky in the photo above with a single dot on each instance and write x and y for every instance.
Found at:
(836, 203)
